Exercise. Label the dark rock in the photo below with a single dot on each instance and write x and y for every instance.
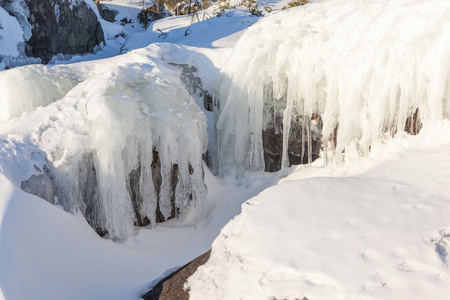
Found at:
(193, 84)
(148, 15)
(157, 181)
(172, 286)
(107, 14)
(413, 124)
(60, 28)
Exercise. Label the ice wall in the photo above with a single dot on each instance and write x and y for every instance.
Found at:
(124, 146)
(366, 70)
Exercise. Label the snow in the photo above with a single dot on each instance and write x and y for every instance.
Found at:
(382, 234)
(47, 253)
(373, 227)
(19, 10)
(9, 42)
(210, 33)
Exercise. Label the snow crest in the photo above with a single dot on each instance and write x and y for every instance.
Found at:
(365, 84)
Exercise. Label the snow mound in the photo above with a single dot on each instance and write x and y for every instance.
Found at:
(350, 86)
(125, 143)
(27, 88)
(379, 235)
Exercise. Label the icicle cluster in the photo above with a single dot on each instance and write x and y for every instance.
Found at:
(349, 72)
(124, 146)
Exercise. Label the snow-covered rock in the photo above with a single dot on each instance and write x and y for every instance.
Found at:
(124, 145)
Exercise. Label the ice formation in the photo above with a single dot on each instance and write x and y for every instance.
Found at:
(347, 86)
(124, 146)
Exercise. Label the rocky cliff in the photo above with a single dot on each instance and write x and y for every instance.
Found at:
(51, 27)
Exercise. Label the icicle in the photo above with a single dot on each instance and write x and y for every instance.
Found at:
(309, 141)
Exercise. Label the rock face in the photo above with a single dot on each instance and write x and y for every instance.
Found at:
(47, 184)
(62, 26)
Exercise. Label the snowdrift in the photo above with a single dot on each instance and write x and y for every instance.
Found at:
(332, 76)
(383, 234)
(123, 145)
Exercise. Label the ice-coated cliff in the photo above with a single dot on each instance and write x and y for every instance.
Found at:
(317, 84)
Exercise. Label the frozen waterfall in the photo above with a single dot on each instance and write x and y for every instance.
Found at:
(332, 78)
(122, 142)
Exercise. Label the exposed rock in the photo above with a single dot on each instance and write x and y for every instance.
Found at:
(107, 14)
(413, 124)
(51, 185)
(40, 185)
(193, 84)
(172, 286)
(62, 27)
(136, 197)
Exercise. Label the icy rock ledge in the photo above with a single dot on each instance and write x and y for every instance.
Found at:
(124, 147)
(308, 82)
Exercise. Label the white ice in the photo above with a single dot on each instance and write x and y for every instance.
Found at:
(363, 66)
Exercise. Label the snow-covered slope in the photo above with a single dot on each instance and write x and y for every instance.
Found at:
(383, 234)
(46, 253)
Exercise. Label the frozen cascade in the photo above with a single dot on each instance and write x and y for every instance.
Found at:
(124, 146)
(313, 80)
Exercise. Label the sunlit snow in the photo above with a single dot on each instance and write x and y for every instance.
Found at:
(368, 219)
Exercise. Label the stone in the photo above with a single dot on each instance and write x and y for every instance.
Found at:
(172, 286)
(59, 27)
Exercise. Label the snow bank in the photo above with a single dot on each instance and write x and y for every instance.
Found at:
(350, 73)
(384, 234)
(111, 139)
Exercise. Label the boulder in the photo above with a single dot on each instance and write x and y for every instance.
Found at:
(172, 286)
(61, 26)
